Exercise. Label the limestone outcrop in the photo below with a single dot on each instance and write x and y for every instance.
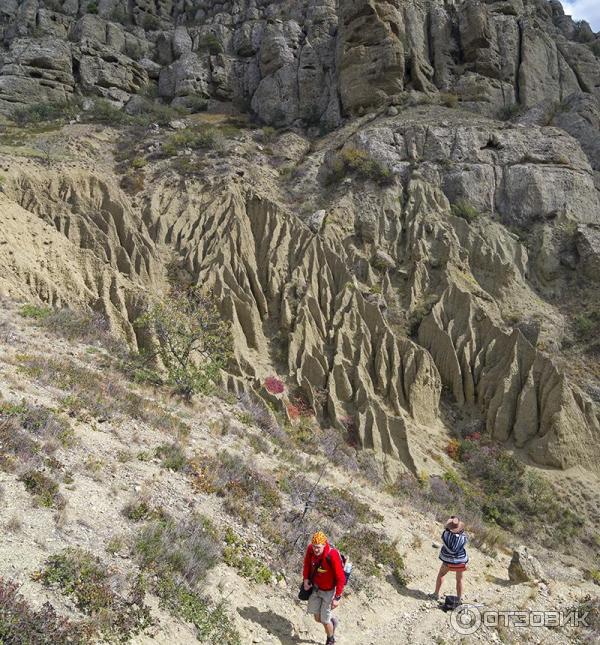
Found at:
(310, 64)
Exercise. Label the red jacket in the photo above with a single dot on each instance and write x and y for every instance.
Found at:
(329, 572)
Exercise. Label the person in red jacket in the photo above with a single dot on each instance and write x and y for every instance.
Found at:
(324, 572)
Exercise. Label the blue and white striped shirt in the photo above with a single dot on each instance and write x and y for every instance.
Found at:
(453, 549)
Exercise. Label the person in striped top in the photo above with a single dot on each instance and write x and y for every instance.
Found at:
(453, 555)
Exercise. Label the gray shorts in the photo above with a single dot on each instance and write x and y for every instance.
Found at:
(319, 603)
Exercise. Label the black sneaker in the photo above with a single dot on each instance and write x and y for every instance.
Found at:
(330, 640)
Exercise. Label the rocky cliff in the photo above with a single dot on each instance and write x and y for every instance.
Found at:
(435, 240)
(306, 63)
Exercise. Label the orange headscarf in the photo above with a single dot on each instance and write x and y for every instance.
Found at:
(319, 538)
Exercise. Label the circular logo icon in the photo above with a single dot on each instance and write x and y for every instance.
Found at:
(465, 619)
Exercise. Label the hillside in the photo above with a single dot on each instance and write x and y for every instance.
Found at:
(396, 209)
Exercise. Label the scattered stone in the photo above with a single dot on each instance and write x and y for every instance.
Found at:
(524, 567)
(315, 221)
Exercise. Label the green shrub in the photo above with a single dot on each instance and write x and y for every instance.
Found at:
(139, 162)
(104, 111)
(42, 112)
(150, 22)
(213, 625)
(268, 134)
(43, 488)
(595, 47)
(449, 100)
(192, 340)
(140, 510)
(150, 112)
(246, 565)
(119, 14)
(35, 312)
(513, 497)
(358, 162)
(196, 104)
(212, 43)
(186, 549)
(511, 111)
(172, 456)
(203, 138)
(593, 575)
(462, 208)
(92, 7)
(370, 549)
(83, 576)
(20, 624)
(585, 326)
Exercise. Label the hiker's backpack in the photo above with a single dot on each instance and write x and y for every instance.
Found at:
(451, 603)
(346, 564)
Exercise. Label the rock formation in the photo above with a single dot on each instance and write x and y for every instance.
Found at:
(369, 298)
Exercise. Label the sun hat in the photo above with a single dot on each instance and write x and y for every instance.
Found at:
(454, 525)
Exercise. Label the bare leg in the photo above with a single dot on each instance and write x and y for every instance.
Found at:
(440, 578)
(459, 583)
(327, 626)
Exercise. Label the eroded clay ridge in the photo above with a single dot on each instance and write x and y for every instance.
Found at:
(524, 398)
(294, 305)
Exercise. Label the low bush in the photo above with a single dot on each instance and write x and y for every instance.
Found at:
(86, 326)
(268, 134)
(245, 564)
(274, 385)
(104, 111)
(213, 625)
(187, 549)
(491, 488)
(462, 208)
(260, 416)
(449, 100)
(587, 325)
(199, 138)
(212, 43)
(133, 182)
(97, 394)
(42, 112)
(83, 576)
(21, 624)
(139, 510)
(43, 488)
(178, 555)
(360, 163)
(373, 553)
(248, 494)
(172, 456)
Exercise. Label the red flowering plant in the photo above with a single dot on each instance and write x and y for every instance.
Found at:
(274, 385)
(453, 449)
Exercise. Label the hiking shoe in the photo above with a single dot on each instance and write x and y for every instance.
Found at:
(330, 640)
(433, 596)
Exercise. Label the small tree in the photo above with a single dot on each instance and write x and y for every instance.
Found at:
(191, 339)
